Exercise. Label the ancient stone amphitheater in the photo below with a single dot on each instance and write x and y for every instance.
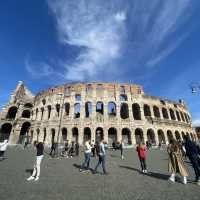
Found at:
(78, 111)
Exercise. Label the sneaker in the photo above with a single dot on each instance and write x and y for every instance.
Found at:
(36, 179)
(30, 178)
(145, 171)
(172, 179)
(184, 180)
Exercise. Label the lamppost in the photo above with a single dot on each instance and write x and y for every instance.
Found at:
(62, 97)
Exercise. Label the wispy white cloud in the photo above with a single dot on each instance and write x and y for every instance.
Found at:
(196, 122)
(110, 32)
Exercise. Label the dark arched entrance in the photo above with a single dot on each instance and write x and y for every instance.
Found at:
(64, 134)
(169, 135)
(87, 134)
(24, 132)
(138, 135)
(177, 135)
(161, 137)
(5, 131)
(126, 136)
(112, 136)
(99, 134)
(75, 135)
(12, 112)
(151, 136)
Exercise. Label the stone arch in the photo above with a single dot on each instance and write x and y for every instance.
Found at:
(161, 137)
(183, 134)
(45, 134)
(182, 117)
(38, 134)
(99, 135)
(123, 97)
(99, 107)
(12, 111)
(139, 135)
(178, 115)
(136, 111)
(88, 109)
(67, 109)
(58, 109)
(77, 110)
(151, 136)
(75, 134)
(177, 135)
(49, 111)
(124, 112)
(24, 131)
(112, 135)
(5, 131)
(87, 134)
(112, 111)
(165, 113)
(156, 111)
(172, 115)
(126, 136)
(26, 114)
(64, 134)
(53, 134)
(169, 135)
(147, 110)
(186, 117)
(188, 134)
(28, 105)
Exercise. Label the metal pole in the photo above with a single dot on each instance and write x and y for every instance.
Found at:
(60, 121)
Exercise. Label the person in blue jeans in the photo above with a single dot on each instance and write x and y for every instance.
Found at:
(192, 154)
(86, 164)
(102, 158)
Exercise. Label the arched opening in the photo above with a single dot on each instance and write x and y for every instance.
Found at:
(112, 136)
(123, 97)
(138, 135)
(188, 134)
(147, 111)
(124, 112)
(58, 109)
(42, 113)
(161, 137)
(182, 117)
(77, 110)
(156, 112)
(151, 136)
(67, 109)
(49, 111)
(12, 111)
(87, 134)
(53, 133)
(165, 113)
(169, 135)
(38, 134)
(186, 117)
(24, 131)
(5, 131)
(88, 109)
(178, 116)
(177, 135)
(99, 107)
(77, 97)
(99, 134)
(136, 111)
(28, 105)
(45, 135)
(75, 135)
(64, 134)
(36, 114)
(183, 134)
(26, 114)
(126, 136)
(172, 115)
(112, 109)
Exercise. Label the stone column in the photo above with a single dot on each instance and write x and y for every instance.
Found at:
(133, 136)
(156, 136)
(119, 134)
(80, 136)
(105, 133)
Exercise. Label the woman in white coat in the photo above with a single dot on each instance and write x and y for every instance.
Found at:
(3, 147)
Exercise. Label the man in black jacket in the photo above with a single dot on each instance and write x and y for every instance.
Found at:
(192, 153)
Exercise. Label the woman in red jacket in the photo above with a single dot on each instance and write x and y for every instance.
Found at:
(141, 149)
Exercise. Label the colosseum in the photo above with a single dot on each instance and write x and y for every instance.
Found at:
(81, 111)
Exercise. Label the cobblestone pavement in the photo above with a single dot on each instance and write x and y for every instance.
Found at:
(61, 179)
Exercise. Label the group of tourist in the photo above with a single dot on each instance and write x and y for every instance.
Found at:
(175, 150)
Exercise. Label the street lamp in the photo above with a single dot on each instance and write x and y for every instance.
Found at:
(62, 97)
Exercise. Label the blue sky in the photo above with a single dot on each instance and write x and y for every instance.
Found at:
(153, 43)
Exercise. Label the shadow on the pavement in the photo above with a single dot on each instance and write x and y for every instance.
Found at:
(150, 174)
(30, 171)
(114, 156)
(77, 166)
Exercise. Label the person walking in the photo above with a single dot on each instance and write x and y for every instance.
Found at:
(3, 147)
(122, 149)
(141, 150)
(87, 153)
(93, 148)
(102, 158)
(39, 157)
(77, 149)
(192, 154)
(176, 163)
(53, 149)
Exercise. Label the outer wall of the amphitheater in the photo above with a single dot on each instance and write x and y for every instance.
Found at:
(77, 112)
